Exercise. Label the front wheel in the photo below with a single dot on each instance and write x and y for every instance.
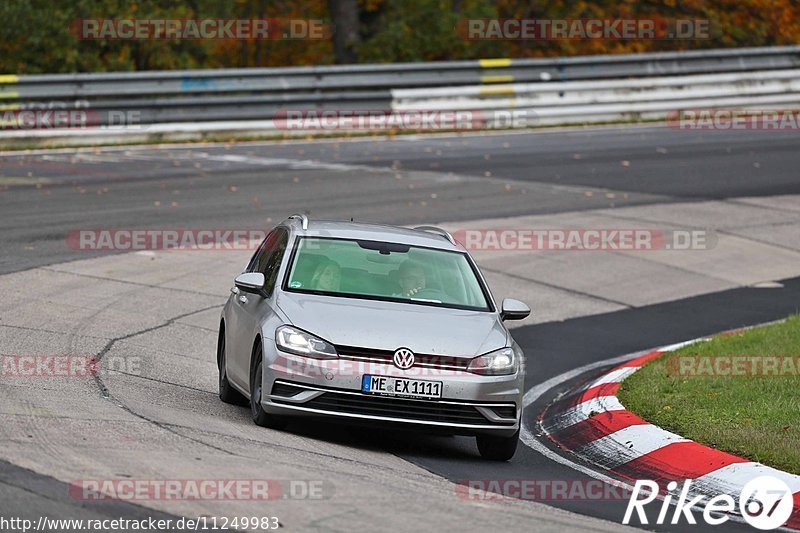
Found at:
(261, 417)
(226, 392)
(497, 448)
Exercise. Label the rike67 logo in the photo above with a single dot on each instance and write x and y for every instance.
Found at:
(765, 503)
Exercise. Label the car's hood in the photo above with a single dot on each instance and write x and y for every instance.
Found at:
(390, 325)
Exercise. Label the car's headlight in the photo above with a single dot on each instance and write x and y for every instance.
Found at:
(299, 342)
(497, 363)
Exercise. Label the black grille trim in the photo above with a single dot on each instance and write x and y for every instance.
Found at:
(285, 389)
(350, 402)
(395, 408)
(505, 411)
(447, 362)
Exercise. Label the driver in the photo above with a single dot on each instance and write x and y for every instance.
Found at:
(327, 277)
(411, 276)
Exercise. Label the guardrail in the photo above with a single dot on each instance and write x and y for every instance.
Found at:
(609, 100)
(561, 90)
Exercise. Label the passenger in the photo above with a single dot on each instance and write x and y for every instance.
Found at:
(327, 277)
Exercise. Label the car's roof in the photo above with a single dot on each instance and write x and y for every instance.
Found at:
(373, 232)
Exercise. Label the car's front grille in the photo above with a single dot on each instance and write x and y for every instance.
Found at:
(446, 362)
(345, 402)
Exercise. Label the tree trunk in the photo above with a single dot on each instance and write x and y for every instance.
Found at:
(344, 14)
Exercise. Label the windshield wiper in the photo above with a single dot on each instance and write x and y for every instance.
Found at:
(425, 300)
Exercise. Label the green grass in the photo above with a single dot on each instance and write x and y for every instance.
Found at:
(756, 417)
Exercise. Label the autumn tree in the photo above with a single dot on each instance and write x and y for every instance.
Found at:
(37, 36)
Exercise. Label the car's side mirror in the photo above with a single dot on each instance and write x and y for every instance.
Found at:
(252, 282)
(514, 310)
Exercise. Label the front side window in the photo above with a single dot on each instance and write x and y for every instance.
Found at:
(273, 263)
(267, 258)
(385, 271)
(260, 257)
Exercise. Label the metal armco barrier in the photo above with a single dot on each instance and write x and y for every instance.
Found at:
(193, 104)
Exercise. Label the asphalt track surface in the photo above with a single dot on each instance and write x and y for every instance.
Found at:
(511, 174)
(454, 178)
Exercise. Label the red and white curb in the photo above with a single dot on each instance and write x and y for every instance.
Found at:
(593, 424)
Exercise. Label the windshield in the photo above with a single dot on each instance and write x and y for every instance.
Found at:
(385, 271)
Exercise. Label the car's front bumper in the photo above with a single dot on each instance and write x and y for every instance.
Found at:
(470, 404)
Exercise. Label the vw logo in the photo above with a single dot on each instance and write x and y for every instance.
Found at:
(403, 358)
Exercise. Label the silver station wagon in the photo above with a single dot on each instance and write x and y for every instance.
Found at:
(372, 324)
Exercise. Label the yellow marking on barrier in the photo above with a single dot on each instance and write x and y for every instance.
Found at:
(497, 79)
(505, 89)
(9, 78)
(10, 95)
(494, 63)
(9, 107)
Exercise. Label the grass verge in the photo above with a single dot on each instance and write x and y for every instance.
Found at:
(753, 416)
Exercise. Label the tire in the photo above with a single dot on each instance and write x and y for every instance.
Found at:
(226, 392)
(497, 448)
(261, 417)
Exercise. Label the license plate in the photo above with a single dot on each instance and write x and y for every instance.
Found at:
(403, 387)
